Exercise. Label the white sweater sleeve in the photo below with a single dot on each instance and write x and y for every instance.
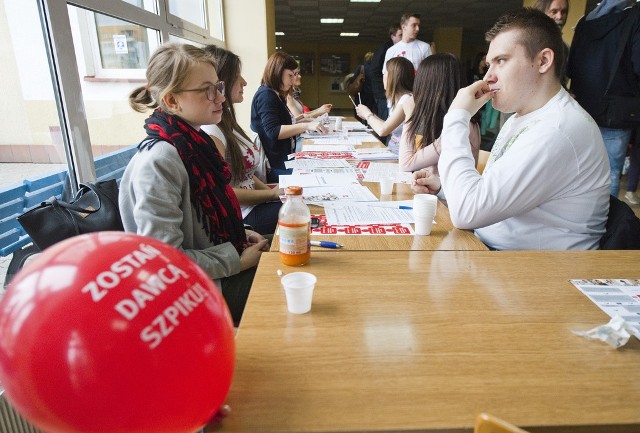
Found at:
(531, 173)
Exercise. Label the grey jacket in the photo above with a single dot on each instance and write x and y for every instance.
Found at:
(155, 201)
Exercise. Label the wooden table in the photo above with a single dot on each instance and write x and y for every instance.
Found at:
(425, 340)
(443, 235)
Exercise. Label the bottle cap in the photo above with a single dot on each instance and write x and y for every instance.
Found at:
(293, 190)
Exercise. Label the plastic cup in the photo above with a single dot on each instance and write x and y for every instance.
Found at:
(298, 288)
(338, 124)
(386, 185)
(425, 203)
(424, 209)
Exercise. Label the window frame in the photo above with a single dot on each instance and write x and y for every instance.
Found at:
(56, 27)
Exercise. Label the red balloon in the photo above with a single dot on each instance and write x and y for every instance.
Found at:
(114, 332)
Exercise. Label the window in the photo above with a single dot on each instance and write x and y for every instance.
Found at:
(111, 47)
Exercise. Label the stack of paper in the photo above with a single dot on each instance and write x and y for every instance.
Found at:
(375, 154)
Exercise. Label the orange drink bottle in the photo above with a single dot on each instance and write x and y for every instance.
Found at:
(294, 220)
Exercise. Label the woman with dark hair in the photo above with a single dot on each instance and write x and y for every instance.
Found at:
(258, 202)
(271, 119)
(297, 107)
(398, 84)
(437, 82)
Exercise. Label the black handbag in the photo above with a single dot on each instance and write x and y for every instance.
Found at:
(93, 209)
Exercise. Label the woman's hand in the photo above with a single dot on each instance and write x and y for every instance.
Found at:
(316, 127)
(363, 111)
(253, 250)
(324, 109)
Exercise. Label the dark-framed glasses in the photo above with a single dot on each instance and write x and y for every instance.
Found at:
(210, 90)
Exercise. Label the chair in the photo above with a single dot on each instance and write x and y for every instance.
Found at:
(486, 423)
(483, 157)
(623, 227)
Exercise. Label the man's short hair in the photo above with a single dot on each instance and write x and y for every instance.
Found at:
(407, 17)
(538, 32)
(393, 29)
(544, 5)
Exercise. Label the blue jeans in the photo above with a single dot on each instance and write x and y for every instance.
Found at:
(616, 142)
(634, 168)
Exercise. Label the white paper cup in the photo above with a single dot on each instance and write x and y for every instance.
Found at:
(298, 288)
(424, 209)
(338, 125)
(386, 185)
(425, 203)
(423, 222)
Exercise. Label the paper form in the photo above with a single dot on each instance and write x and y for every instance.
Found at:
(322, 195)
(616, 297)
(306, 164)
(359, 230)
(367, 214)
(378, 171)
(327, 147)
(306, 180)
(352, 140)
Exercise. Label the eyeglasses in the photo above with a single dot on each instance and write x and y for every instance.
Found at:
(210, 90)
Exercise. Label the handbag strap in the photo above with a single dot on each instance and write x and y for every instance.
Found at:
(626, 36)
(79, 194)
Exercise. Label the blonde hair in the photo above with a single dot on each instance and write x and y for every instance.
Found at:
(167, 71)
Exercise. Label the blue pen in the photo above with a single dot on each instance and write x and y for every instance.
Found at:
(325, 244)
(399, 207)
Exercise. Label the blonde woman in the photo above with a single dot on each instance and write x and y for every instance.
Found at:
(176, 188)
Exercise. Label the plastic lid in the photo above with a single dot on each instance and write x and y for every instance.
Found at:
(293, 190)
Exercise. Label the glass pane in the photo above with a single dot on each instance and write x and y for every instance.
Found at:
(189, 10)
(30, 144)
(179, 40)
(122, 45)
(148, 5)
(216, 24)
(113, 125)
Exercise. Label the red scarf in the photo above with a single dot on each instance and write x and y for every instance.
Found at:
(215, 203)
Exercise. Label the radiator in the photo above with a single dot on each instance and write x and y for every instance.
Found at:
(10, 420)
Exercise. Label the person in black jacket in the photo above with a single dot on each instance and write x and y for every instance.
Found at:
(395, 35)
(591, 59)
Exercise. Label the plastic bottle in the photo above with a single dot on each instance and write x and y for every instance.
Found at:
(294, 221)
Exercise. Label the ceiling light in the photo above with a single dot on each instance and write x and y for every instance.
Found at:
(365, 1)
(279, 33)
(349, 34)
(331, 20)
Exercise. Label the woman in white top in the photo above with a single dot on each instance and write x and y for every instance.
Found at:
(398, 84)
(259, 202)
